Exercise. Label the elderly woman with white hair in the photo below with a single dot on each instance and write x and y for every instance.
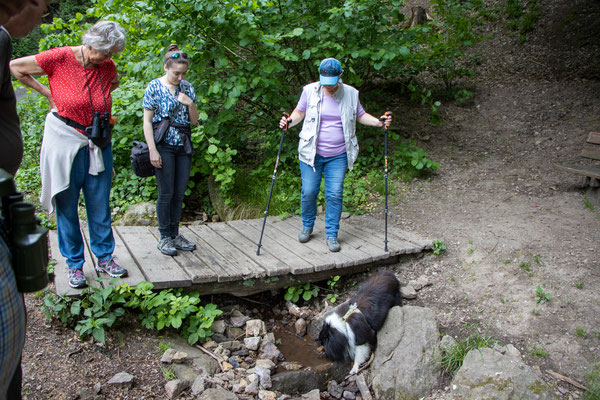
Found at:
(76, 150)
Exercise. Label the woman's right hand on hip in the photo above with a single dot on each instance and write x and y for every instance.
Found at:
(155, 159)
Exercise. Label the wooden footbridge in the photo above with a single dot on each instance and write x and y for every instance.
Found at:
(225, 260)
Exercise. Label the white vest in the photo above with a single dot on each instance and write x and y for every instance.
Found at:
(347, 98)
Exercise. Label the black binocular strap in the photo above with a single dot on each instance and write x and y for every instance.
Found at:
(69, 122)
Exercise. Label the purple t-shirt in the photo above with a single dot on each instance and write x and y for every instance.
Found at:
(331, 133)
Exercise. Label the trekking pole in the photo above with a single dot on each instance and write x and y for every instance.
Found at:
(385, 129)
(283, 131)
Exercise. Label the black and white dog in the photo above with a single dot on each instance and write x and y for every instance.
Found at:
(349, 332)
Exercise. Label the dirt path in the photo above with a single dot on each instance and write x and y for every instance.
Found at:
(510, 222)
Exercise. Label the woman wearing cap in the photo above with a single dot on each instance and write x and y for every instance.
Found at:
(328, 145)
(81, 79)
(171, 97)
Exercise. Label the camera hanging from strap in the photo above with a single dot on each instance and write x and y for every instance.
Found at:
(100, 132)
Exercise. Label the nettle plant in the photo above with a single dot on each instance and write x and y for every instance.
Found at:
(249, 61)
(98, 309)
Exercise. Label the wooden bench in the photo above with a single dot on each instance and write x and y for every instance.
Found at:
(589, 175)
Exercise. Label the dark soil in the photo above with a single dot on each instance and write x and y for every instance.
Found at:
(509, 220)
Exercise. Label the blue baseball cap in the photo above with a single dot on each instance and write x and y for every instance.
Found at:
(330, 71)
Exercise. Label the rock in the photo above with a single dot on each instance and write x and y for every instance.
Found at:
(300, 326)
(264, 376)
(312, 395)
(512, 351)
(409, 337)
(185, 372)
(206, 366)
(141, 214)
(419, 283)
(295, 382)
(408, 292)
(291, 366)
(198, 386)
(173, 356)
(271, 352)
(348, 395)
(122, 379)
(219, 337)
(175, 387)
(217, 393)
(234, 362)
(314, 328)
(252, 387)
(268, 364)
(98, 387)
(218, 326)
(345, 215)
(238, 322)
(233, 332)
(240, 386)
(200, 360)
(266, 395)
(227, 366)
(487, 374)
(447, 343)
(232, 345)
(268, 338)
(334, 389)
(252, 343)
(255, 327)
(215, 218)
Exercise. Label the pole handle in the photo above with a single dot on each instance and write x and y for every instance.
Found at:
(288, 120)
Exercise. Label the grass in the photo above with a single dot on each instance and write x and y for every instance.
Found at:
(581, 332)
(579, 284)
(593, 384)
(452, 358)
(538, 351)
(168, 373)
(164, 346)
(525, 265)
(588, 204)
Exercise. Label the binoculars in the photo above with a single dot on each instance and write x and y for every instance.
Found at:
(25, 237)
(100, 128)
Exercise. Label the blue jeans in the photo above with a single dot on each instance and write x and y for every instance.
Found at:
(333, 169)
(96, 192)
(172, 180)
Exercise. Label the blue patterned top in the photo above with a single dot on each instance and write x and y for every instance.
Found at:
(159, 99)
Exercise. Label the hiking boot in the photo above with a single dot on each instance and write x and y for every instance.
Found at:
(111, 268)
(76, 278)
(182, 243)
(333, 244)
(304, 235)
(166, 246)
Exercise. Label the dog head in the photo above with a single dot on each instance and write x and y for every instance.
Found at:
(334, 342)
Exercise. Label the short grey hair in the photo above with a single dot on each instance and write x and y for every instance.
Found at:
(105, 36)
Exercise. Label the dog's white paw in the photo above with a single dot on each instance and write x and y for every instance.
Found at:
(354, 370)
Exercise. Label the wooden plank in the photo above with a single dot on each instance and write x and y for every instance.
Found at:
(291, 227)
(297, 264)
(399, 234)
(375, 238)
(158, 268)
(199, 264)
(291, 244)
(369, 243)
(350, 244)
(244, 245)
(238, 264)
(583, 170)
(593, 138)
(125, 260)
(61, 276)
(590, 151)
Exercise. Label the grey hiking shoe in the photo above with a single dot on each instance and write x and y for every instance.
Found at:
(76, 278)
(182, 243)
(166, 246)
(110, 267)
(304, 235)
(333, 244)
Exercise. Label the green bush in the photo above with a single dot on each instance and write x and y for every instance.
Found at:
(249, 63)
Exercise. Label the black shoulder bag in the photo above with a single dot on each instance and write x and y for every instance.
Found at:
(161, 127)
